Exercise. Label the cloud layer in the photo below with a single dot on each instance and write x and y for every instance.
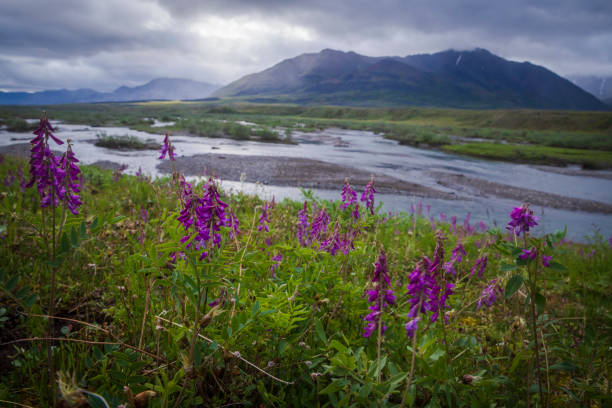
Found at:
(104, 44)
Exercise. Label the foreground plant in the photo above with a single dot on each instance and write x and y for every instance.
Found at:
(56, 180)
(380, 297)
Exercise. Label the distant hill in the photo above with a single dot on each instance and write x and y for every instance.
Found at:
(601, 87)
(462, 79)
(157, 89)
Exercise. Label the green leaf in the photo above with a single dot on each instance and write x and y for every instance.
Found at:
(514, 283)
(335, 386)
(94, 224)
(540, 302)
(563, 366)
(556, 266)
(320, 332)
(12, 283)
(507, 267)
(83, 230)
(64, 244)
(338, 346)
(74, 239)
(30, 300)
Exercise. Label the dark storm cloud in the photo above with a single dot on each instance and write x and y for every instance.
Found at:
(102, 44)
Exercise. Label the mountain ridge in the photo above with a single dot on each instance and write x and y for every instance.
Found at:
(460, 79)
(156, 89)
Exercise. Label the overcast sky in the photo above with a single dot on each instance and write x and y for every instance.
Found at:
(102, 44)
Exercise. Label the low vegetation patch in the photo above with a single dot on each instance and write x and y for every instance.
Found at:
(125, 142)
(588, 159)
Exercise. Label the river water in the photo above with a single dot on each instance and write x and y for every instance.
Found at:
(371, 152)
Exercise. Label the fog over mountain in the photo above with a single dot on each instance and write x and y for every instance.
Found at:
(157, 89)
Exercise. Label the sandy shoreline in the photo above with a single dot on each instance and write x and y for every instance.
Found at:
(294, 172)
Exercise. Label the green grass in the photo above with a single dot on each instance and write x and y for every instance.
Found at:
(422, 127)
(535, 154)
(302, 322)
(125, 142)
(19, 125)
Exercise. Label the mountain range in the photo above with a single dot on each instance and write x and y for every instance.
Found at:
(157, 89)
(459, 79)
(601, 87)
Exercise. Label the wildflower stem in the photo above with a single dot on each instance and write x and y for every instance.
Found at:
(146, 311)
(51, 306)
(379, 341)
(241, 269)
(414, 337)
(534, 316)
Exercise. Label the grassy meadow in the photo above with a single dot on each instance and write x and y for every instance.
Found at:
(114, 305)
(527, 136)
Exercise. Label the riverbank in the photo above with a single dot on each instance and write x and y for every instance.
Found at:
(308, 173)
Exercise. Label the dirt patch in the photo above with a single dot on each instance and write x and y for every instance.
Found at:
(295, 172)
(479, 187)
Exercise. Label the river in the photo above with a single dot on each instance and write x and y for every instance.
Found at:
(371, 152)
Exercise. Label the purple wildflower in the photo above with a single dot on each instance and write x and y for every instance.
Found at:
(530, 253)
(380, 297)
(207, 215)
(427, 289)
(220, 300)
(71, 187)
(454, 223)
(278, 258)
(349, 196)
(167, 148)
(319, 224)
(355, 212)
(332, 244)
(466, 221)
(610, 241)
(442, 217)
(482, 226)
(489, 294)
(233, 224)
(412, 326)
(546, 260)
(449, 267)
(480, 265)
(45, 170)
(303, 224)
(9, 179)
(263, 218)
(117, 173)
(368, 196)
(522, 220)
(457, 253)
(338, 242)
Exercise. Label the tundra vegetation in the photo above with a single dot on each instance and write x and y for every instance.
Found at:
(120, 289)
(550, 137)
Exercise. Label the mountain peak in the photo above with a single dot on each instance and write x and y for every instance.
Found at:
(473, 78)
